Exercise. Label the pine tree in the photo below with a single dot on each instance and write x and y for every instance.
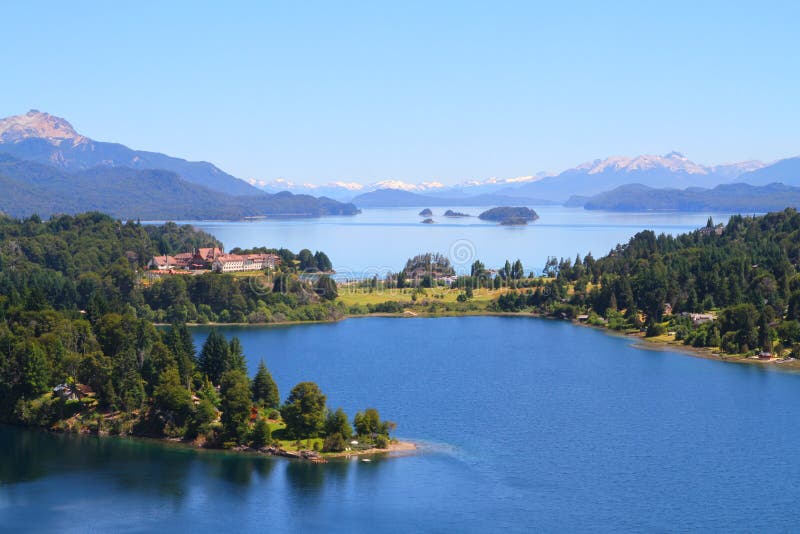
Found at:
(517, 271)
(612, 302)
(265, 390)
(214, 356)
(236, 356)
(235, 403)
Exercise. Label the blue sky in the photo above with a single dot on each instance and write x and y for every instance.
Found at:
(447, 91)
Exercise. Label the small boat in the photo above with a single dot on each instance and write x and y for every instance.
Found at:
(366, 460)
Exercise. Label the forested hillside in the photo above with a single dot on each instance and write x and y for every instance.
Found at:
(34, 188)
(79, 349)
(744, 276)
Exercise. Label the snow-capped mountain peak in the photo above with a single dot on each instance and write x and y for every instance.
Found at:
(673, 161)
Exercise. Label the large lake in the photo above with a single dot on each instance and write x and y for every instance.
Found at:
(379, 240)
(526, 424)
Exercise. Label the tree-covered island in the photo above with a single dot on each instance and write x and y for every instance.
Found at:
(509, 215)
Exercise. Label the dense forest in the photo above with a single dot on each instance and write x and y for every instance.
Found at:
(79, 349)
(735, 287)
(94, 264)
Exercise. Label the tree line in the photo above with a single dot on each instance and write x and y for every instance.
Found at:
(96, 264)
(743, 276)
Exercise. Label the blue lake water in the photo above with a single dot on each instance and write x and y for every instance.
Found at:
(525, 424)
(380, 240)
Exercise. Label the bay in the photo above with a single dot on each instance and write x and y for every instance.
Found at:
(381, 240)
(523, 424)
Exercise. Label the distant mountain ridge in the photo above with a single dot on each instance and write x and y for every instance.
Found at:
(342, 190)
(785, 171)
(46, 167)
(670, 170)
(733, 198)
(51, 140)
(29, 187)
(393, 198)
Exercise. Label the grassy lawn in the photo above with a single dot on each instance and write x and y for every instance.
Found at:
(351, 295)
(246, 274)
(277, 427)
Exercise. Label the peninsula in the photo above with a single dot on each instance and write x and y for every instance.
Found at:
(82, 296)
(85, 355)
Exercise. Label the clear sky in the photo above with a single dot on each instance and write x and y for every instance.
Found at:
(447, 91)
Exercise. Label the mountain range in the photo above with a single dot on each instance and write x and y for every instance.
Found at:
(76, 173)
(731, 198)
(395, 198)
(47, 167)
(29, 187)
(670, 170)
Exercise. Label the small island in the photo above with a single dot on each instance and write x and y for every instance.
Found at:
(451, 213)
(426, 213)
(509, 215)
(428, 221)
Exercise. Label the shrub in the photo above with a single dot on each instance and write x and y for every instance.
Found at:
(655, 329)
(260, 435)
(334, 443)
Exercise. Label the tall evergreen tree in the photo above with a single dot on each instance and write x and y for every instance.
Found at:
(265, 390)
(517, 271)
(214, 356)
(326, 287)
(236, 356)
(235, 403)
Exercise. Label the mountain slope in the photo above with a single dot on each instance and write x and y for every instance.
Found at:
(670, 170)
(51, 140)
(785, 171)
(30, 187)
(742, 198)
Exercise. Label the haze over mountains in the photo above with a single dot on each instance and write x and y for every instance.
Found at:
(47, 167)
(672, 170)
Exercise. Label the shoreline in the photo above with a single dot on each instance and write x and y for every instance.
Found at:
(644, 343)
(396, 447)
(660, 344)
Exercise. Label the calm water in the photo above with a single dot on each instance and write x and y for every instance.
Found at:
(527, 424)
(379, 240)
